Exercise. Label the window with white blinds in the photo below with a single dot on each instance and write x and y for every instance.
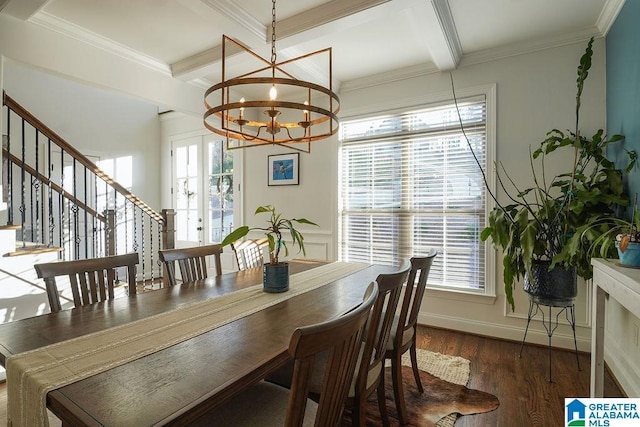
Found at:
(409, 181)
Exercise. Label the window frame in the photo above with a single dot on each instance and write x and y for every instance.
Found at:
(489, 92)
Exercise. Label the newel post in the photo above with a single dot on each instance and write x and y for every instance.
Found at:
(110, 232)
(168, 238)
(169, 229)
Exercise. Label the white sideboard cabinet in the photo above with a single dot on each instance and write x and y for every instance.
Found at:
(621, 284)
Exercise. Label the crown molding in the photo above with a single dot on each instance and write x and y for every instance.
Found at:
(471, 59)
(516, 49)
(389, 76)
(608, 15)
(76, 32)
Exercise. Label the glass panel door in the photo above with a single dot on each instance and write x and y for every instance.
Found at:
(220, 185)
(203, 192)
(187, 173)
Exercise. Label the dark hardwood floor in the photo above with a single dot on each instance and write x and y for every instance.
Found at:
(527, 398)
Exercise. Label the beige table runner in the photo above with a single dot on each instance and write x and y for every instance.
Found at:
(31, 375)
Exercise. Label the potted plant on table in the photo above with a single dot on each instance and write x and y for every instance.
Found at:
(537, 230)
(275, 272)
(619, 235)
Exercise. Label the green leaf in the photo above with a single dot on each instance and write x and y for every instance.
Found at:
(304, 221)
(486, 233)
(262, 209)
(236, 234)
(508, 276)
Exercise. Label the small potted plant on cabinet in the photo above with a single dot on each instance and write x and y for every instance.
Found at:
(275, 272)
(618, 234)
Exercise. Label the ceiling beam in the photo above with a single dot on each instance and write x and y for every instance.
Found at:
(254, 30)
(307, 25)
(444, 45)
(245, 29)
(22, 9)
(202, 63)
(335, 11)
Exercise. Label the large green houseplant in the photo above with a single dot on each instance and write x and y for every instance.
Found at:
(540, 222)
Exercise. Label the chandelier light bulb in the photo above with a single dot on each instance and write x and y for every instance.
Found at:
(273, 93)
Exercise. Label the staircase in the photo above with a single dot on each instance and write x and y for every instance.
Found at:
(59, 205)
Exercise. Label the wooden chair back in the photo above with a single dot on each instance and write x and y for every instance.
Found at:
(249, 253)
(378, 332)
(92, 280)
(341, 338)
(192, 262)
(413, 294)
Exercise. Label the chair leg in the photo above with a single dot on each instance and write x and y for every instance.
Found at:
(414, 365)
(358, 412)
(382, 404)
(398, 392)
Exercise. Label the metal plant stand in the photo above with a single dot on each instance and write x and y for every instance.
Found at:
(568, 308)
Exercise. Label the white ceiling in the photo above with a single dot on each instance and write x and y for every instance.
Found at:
(368, 37)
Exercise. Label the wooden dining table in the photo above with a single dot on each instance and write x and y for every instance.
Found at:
(176, 385)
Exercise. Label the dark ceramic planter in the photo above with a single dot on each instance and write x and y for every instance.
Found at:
(275, 278)
(558, 287)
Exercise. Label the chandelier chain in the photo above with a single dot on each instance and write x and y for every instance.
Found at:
(273, 32)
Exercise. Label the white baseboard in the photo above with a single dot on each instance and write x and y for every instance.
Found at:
(495, 330)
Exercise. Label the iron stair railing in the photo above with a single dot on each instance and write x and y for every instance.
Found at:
(61, 199)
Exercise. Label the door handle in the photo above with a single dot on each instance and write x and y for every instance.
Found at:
(199, 228)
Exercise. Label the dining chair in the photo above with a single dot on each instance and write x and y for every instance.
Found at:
(91, 280)
(272, 405)
(403, 331)
(192, 262)
(249, 252)
(369, 376)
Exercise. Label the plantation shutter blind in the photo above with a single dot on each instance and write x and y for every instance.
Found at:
(409, 182)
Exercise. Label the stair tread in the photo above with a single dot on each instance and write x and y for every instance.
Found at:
(10, 227)
(33, 250)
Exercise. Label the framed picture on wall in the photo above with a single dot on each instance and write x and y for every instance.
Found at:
(283, 169)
